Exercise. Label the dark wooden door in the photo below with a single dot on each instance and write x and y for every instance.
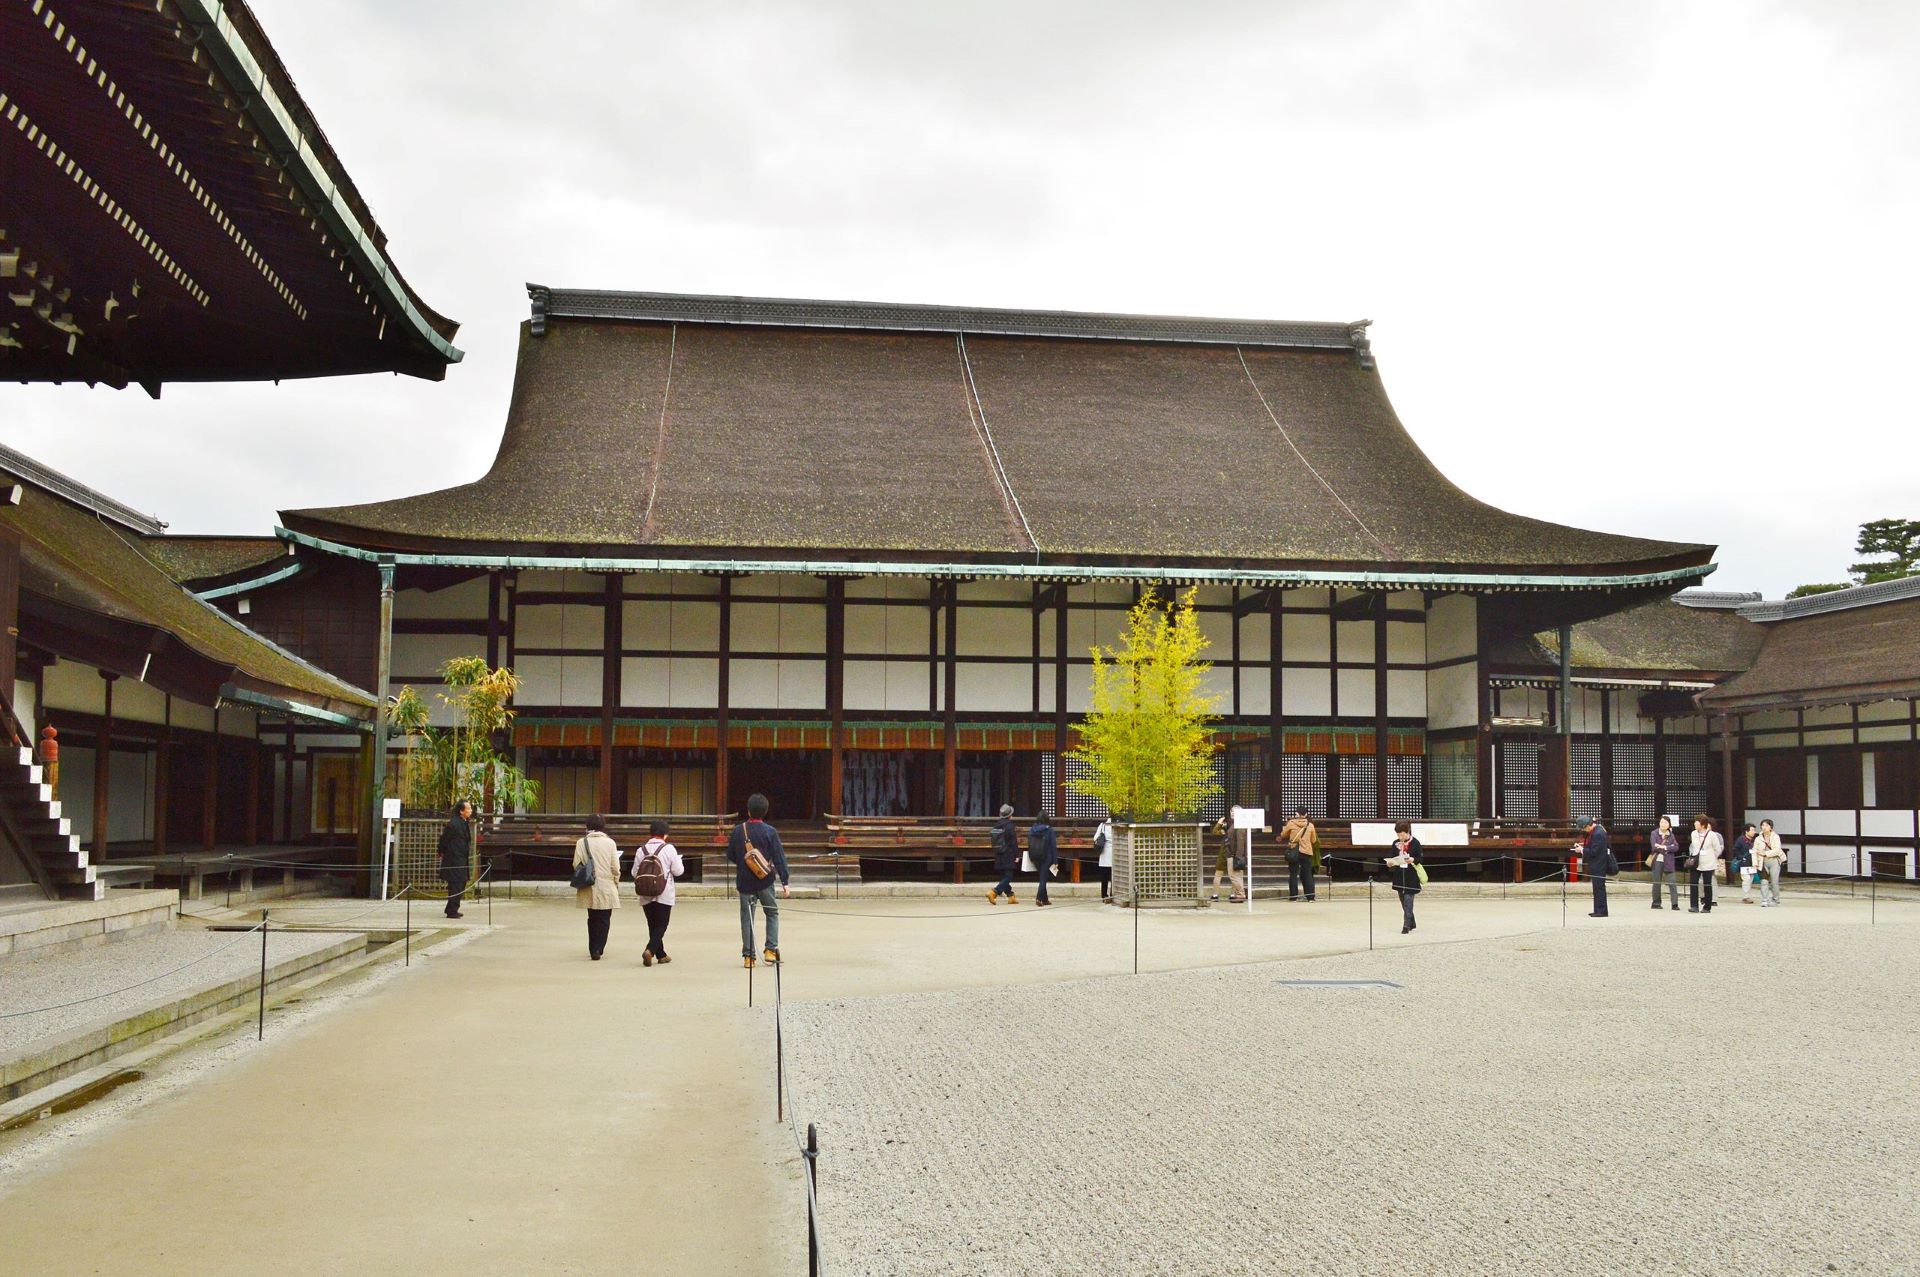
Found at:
(9, 608)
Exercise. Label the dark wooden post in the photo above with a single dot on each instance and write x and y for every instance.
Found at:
(493, 620)
(1276, 736)
(286, 796)
(102, 767)
(253, 789)
(611, 608)
(950, 757)
(1556, 777)
(1606, 755)
(376, 790)
(1660, 774)
(210, 792)
(1060, 705)
(162, 778)
(721, 755)
(1380, 786)
(1484, 766)
(836, 693)
(1730, 817)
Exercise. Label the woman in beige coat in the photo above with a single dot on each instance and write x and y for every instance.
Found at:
(603, 897)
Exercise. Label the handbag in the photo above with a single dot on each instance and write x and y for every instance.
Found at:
(1420, 872)
(1689, 862)
(583, 874)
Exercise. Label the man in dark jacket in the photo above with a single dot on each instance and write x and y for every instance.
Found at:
(1006, 856)
(1601, 865)
(456, 854)
(758, 889)
(1043, 848)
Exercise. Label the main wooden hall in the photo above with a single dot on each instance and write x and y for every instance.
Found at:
(855, 556)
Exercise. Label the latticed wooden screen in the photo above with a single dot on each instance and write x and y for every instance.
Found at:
(1518, 762)
(1406, 787)
(1303, 783)
(1583, 762)
(1453, 789)
(1687, 776)
(416, 857)
(1079, 806)
(1157, 864)
(1633, 783)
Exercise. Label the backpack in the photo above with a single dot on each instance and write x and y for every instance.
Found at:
(650, 875)
(583, 875)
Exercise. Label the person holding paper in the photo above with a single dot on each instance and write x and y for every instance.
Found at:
(1302, 841)
(1228, 863)
(1404, 870)
(1043, 848)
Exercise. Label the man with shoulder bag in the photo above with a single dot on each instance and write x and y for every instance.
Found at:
(1597, 849)
(1302, 841)
(760, 866)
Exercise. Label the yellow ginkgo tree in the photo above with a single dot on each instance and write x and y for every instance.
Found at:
(1147, 740)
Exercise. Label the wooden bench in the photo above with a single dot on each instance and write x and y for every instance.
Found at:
(191, 869)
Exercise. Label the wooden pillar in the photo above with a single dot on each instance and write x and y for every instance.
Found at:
(1059, 799)
(1276, 735)
(210, 792)
(493, 620)
(1556, 761)
(1485, 775)
(836, 693)
(102, 767)
(1380, 786)
(1606, 755)
(286, 795)
(609, 685)
(950, 756)
(162, 777)
(372, 805)
(1726, 771)
(721, 756)
(253, 790)
(1660, 775)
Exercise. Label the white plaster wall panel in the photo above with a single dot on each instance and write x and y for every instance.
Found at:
(803, 684)
(1306, 598)
(1829, 859)
(993, 632)
(1869, 782)
(1256, 695)
(1882, 711)
(466, 601)
(756, 627)
(1775, 740)
(1356, 693)
(1356, 640)
(76, 790)
(1107, 626)
(1407, 642)
(1831, 822)
(199, 718)
(998, 590)
(693, 682)
(1451, 628)
(439, 712)
(646, 623)
(1218, 683)
(1813, 781)
(1342, 596)
(1786, 821)
(71, 685)
(137, 702)
(1886, 824)
(1217, 629)
(539, 680)
(1407, 693)
(993, 688)
(1773, 718)
(867, 629)
(643, 681)
(1114, 592)
(788, 585)
(908, 587)
(865, 685)
(1082, 632)
(696, 625)
(25, 705)
(580, 680)
(1452, 695)
(1894, 733)
(539, 625)
(1829, 716)
(1079, 689)
(420, 656)
(549, 581)
(1304, 637)
(866, 587)
(907, 687)
(693, 585)
(583, 627)
(1830, 736)
(1589, 715)
(907, 631)
(1048, 637)
(1412, 600)
(1690, 725)
(1045, 704)
(1256, 637)
(753, 684)
(1305, 694)
(1214, 596)
(803, 628)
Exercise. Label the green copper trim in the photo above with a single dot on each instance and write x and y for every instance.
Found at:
(245, 696)
(1013, 571)
(259, 582)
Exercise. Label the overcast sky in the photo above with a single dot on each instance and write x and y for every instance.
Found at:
(1642, 266)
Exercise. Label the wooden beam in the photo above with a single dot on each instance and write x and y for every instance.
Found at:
(102, 768)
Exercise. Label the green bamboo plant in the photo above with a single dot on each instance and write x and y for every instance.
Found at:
(442, 766)
(1147, 740)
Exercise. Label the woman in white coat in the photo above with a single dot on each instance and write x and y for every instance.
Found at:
(655, 866)
(1103, 848)
(1704, 848)
(603, 897)
(1769, 857)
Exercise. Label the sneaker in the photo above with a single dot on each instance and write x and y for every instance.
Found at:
(771, 955)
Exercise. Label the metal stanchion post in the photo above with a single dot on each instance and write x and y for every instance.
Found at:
(261, 1034)
(409, 942)
(813, 1195)
(1136, 918)
(1369, 915)
(749, 985)
(1873, 900)
(779, 1054)
(1563, 897)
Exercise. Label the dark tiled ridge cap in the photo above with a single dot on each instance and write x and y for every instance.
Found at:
(48, 479)
(789, 312)
(1907, 587)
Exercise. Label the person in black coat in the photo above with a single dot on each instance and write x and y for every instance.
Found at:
(1403, 870)
(456, 854)
(1043, 848)
(1601, 863)
(1006, 856)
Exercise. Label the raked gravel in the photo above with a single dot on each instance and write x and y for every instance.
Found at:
(1713, 1100)
(110, 969)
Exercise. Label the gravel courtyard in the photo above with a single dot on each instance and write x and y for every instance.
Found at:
(1689, 1098)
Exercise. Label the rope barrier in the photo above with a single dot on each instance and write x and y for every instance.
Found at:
(61, 1006)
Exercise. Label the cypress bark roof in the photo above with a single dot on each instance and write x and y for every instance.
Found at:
(1665, 637)
(194, 559)
(816, 428)
(1845, 649)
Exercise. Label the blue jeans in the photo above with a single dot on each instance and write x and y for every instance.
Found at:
(768, 898)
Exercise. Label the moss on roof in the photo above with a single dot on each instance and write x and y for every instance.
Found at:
(189, 559)
(1860, 653)
(1663, 636)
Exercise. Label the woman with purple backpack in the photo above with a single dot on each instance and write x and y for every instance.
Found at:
(655, 866)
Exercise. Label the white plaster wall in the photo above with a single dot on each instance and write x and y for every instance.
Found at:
(1773, 718)
(137, 702)
(539, 680)
(1407, 642)
(1881, 711)
(466, 601)
(1306, 598)
(1218, 682)
(1407, 693)
(754, 684)
(1875, 823)
(547, 581)
(803, 684)
(73, 686)
(25, 706)
(1450, 628)
(993, 632)
(803, 628)
(1217, 629)
(197, 718)
(1356, 693)
(864, 685)
(1889, 733)
(1305, 694)
(578, 627)
(1256, 637)
(1453, 693)
(1256, 695)
(1830, 716)
(993, 688)
(756, 627)
(1004, 591)
(1304, 638)
(866, 630)
(420, 656)
(644, 681)
(907, 687)
(1355, 641)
